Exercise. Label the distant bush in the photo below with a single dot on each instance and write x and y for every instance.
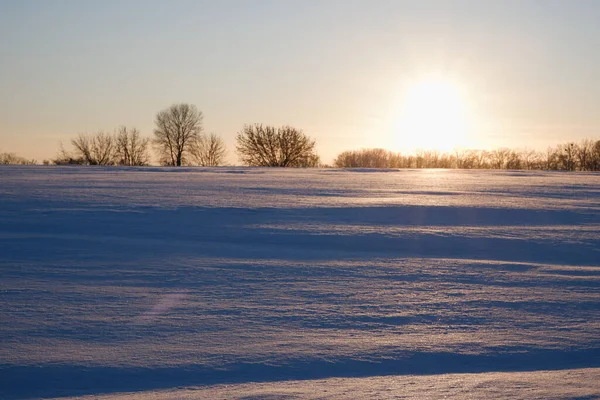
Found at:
(12, 158)
(64, 158)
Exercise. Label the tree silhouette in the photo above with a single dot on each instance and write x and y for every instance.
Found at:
(131, 149)
(95, 149)
(177, 127)
(267, 146)
(208, 151)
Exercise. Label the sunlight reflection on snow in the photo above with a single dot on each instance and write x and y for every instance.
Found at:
(162, 307)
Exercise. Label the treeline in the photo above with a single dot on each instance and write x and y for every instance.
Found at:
(582, 156)
(123, 147)
(179, 139)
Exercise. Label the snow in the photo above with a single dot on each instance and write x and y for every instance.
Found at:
(274, 282)
(541, 385)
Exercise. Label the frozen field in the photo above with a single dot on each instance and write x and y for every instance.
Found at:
(268, 283)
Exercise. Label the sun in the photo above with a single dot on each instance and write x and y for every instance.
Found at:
(433, 116)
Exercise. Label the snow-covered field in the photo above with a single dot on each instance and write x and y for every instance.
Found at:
(270, 283)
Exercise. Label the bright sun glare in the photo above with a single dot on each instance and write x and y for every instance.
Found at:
(433, 116)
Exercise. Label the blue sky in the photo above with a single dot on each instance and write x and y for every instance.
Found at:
(336, 69)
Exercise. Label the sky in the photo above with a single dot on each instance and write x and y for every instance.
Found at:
(340, 70)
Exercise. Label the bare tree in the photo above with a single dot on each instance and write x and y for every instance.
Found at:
(131, 148)
(431, 159)
(208, 151)
(177, 127)
(595, 157)
(514, 160)
(566, 156)
(83, 147)
(267, 146)
(459, 158)
(345, 159)
(499, 158)
(551, 159)
(311, 161)
(531, 159)
(446, 161)
(475, 159)
(584, 152)
(375, 158)
(95, 149)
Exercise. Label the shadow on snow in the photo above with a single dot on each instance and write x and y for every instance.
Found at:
(26, 382)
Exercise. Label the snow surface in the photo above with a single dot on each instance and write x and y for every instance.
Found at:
(579, 384)
(144, 280)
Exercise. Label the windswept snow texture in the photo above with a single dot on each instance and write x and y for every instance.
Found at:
(132, 280)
